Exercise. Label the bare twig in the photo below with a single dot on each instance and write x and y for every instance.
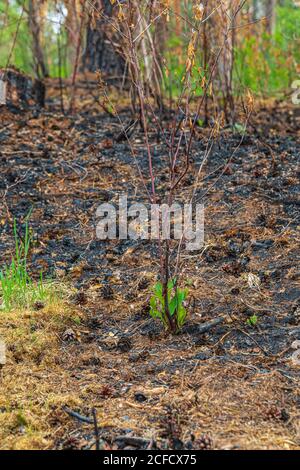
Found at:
(78, 416)
(97, 436)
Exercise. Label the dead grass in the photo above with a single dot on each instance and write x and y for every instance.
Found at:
(43, 374)
(30, 381)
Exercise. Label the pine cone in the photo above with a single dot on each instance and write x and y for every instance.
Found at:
(279, 414)
(143, 284)
(80, 298)
(204, 442)
(69, 335)
(124, 344)
(172, 429)
(107, 293)
(38, 305)
(296, 315)
(106, 391)
(73, 443)
(130, 296)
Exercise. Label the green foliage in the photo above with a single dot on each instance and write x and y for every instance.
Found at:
(252, 321)
(17, 289)
(20, 51)
(176, 67)
(266, 64)
(239, 128)
(21, 55)
(175, 301)
(21, 419)
(263, 63)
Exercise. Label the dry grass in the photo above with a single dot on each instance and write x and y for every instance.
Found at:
(32, 379)
(44, 373)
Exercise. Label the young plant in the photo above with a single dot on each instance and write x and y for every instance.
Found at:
(138, 25)
(17, 289)
(14, 278)
(169, 309)
(252, 321)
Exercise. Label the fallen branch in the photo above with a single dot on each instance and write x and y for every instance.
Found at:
(204, 327)
(96, 429)
(78, 416)
(132, 441)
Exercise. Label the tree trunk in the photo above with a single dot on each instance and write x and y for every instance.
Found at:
(34, 26)
(225, 40)
(72, 26)
(265, 8)
(178, 21)
(20, 90)
(100, 53)
(258, 9)
(271, 16)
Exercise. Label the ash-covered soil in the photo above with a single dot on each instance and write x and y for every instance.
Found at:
(232, 386)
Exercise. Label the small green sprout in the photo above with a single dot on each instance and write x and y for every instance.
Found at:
(175, 304)
(17, 289)
(252, 321)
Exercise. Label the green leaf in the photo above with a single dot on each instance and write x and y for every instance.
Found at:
(171, 283)
(173, 306)
(239, 128)
(181, 316)
(158, 288)
(252, 321)
(175, 298)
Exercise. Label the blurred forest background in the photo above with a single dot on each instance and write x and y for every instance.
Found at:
(42, 38)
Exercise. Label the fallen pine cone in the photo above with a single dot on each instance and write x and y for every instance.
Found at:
(171, 428)
(296, 315)
(124, 344)
(80, 298)
(107, 292)
(204, 442)
(106, 391)
(143, 284)
(73, 443)
(69, 335)
(279, 414)
(38, 305)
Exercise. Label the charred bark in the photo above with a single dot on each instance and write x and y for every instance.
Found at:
(41, 68)
(100, 49)
(20, 90)
(270, 16)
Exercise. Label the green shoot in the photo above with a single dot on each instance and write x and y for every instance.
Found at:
(17, 289)
(175, 297)
(252, 321)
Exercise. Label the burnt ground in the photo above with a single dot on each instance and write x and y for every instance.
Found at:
(236, 383)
